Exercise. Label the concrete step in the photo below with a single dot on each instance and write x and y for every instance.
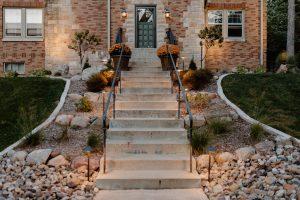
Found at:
(148, 179)
(147, 113)
(167, 147)
(171, 194)
(147, 162)
(146, 69)
(146, 97)
(135, 105)
(146, 79)
(145, 74)
(142, 84)
(147, 134)
(153, 90)
(146, 123)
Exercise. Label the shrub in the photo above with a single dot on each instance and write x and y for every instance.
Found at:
(96, 83)
(260, 69)
(218, 126)
(11, 74)
(86, 64)
(241, 69)
(193, 65)
(257, 132)
(163, 51)
(84, 105)
(33, 139)
(117, 48)
(197, 79)
(199, 101)
(40, 72)
(94, 141)
(57, 74)
(201, 140)
(109, 75)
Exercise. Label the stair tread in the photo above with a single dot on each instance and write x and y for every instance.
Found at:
(148, 119)
(149, 174)
(148, 141)
(147, 129)
(150, 157)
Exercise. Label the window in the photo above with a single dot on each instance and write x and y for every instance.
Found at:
(23, 24)
(235, 24)
(232, 23)
(16, 67)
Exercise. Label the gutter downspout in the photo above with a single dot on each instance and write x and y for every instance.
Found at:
(261, 32)
(108, 24)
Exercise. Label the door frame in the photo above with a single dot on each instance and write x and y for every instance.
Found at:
(136, 22)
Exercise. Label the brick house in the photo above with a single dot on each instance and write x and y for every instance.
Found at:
(35, 33)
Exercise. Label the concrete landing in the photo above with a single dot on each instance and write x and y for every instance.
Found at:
(176, 194)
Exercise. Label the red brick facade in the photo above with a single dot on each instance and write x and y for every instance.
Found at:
(93, 15)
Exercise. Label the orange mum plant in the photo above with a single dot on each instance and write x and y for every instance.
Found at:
(163, 51)
(117, 48)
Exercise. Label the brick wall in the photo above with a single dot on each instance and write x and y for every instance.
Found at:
(245, 53)
(30, 53)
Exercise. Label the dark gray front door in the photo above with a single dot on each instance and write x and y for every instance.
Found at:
(145, 27)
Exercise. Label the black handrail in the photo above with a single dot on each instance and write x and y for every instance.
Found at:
(188, 109)
(111, 93)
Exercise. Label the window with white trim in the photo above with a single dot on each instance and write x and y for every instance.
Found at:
(23, 23)
(232, 22)
(14, 67)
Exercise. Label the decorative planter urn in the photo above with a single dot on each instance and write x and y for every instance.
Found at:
(124, 62)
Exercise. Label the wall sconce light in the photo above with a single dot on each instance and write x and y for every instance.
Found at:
(167, 13)
(123, 13)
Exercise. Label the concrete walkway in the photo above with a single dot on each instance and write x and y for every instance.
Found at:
(176, 194)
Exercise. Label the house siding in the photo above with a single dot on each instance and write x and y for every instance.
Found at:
(64, 18)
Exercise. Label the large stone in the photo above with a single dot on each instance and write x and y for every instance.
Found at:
(282, 69)
(265, 147)
(62, 70)
(83, 161)
(19, 156)
(245, 153)
(93, 97)
(87, 73)
(80, 122)
(58, 161)
(38, 157)
(217, 189)
(224, 157)
(64, 120)
(198, 121)
(76, 78)
(75, 97)
(74, 182)
(203, 161)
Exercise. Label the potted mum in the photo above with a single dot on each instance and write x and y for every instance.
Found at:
(115, 52)
(165, 58)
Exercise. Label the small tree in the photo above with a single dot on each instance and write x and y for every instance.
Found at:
(211, 35)
(83, 42)
(193, 65)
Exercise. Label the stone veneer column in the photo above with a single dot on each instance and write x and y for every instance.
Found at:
(141, 55)
(193, 21)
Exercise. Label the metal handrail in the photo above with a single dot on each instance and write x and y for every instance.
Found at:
(188, 109)
(111, 93)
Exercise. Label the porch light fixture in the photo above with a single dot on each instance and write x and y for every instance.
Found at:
(87, 151)
(167, 13)
(123, 13)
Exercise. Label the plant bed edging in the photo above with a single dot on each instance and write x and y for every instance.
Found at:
(246, 117)
(48, 121)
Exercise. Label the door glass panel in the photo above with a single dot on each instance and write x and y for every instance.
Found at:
(145, 14)
(145, 19)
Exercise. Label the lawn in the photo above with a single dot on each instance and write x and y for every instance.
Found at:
(273, 99)
(24, 104)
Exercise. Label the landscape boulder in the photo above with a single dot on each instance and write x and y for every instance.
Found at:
(61, 69)
(80, 122)
(87, 73)
(93, 97)
(224, 157)
(75, 97)
(83, 161)
(282, 69)
(203, 161)
(265, 147)
(76, 78)
(58, 161)
(38, 157)
(19, 156)
(64, 120)
(245, 153)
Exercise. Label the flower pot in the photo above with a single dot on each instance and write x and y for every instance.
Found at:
(166, 62)
(124, 62)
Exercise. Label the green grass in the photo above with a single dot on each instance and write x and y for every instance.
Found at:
(273, 99)
(24, 104)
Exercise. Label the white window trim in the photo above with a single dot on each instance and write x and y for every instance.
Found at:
(21, 73)
(23, 37)
(225, 26)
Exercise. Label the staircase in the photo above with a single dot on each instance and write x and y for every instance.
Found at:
(147, 145)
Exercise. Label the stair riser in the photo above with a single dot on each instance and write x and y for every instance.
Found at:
(146, 113)
(148, 165)
(136, 97)
(146, 79)
(146, 90)
(127, 184)
(146, 69)
(146, 105)
(147, 135)
(115, 123)
(174, 149)
(146, 74)
(146, 84)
